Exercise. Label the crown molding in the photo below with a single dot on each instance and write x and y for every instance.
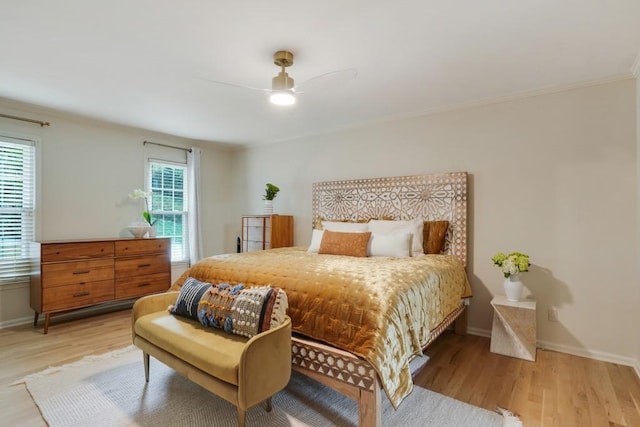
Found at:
(50, 114)
(517, 96)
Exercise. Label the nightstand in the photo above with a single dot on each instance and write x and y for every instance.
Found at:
(514, 328)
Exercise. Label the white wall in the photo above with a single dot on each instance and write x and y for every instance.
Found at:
(551, 175)
(88, 168)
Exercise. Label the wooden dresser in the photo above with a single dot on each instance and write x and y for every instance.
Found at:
(266, 232)
(76, 274)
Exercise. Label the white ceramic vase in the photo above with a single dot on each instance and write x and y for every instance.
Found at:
(152, 232)
(513, 287)
(268, 207)
(138, 229)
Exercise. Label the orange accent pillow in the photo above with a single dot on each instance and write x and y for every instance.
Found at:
(350, 244)
(434, 236)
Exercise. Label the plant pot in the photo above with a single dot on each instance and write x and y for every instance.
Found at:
(268, 207)
(152, 232)
(138, 229)
(513, 288)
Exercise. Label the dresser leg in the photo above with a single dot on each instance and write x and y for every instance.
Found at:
(35, 319)
(46, 322)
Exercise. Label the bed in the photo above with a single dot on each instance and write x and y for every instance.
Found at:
(358, 322)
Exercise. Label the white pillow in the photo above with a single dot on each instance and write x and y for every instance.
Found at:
(395, 245)
(345, 227)
(415, 227)
(316, 239)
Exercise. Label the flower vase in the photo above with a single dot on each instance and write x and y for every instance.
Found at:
(152, 232)
(268, 207)
(513, 288)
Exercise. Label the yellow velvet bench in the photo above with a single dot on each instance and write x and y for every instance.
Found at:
(243, 371)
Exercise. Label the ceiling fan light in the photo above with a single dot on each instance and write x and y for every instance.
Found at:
(282, 97)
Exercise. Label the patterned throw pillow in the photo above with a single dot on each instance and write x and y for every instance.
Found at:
(351, 244)
(240, 311)
(190, 295)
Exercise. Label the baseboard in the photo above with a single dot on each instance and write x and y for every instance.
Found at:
(479, 332)
(576, 351)
(93, 310)
(16, 322)
(590, 354)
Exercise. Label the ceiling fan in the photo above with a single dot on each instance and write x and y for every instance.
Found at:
(283, 90)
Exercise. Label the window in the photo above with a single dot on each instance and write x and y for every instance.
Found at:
(168, 185)
(17, 208)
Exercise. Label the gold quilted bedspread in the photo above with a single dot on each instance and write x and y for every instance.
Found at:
(381, 309)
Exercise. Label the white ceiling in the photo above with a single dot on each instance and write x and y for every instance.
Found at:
(142, 63)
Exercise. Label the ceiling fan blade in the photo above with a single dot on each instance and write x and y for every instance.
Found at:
(236, 85)
(330, 79)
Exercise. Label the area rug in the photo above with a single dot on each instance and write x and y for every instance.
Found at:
(109, 390)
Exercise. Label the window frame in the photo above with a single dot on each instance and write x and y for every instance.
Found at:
(29, 244)
(185, 212)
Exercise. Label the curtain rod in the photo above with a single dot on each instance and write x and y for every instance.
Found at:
(22, 119)
(168, 146)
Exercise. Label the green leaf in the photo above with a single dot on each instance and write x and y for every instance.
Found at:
(147, 217)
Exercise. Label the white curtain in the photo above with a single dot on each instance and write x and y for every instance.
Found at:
(195, 242)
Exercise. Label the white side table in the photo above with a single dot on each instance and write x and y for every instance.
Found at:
(514, 328)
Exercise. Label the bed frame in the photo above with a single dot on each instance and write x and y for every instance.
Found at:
(431, 197)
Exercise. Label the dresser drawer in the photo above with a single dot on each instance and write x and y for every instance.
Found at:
(72, 296)
(54, 252)
(68, 273)
(142, 266)
(132, 287)
(142, 246)
(258, 233)
(257, 222)
(252, 245)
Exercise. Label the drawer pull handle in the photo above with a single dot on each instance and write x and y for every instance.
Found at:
(81, 294)
(81, 272)
(144, 265)
(144, 284)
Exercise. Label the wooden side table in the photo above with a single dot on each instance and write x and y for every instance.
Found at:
(514, 328)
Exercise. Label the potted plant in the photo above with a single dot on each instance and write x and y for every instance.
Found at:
(146, 215)
(511, 266)
(270, 193)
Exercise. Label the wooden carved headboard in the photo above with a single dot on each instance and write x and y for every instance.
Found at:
(430, 197)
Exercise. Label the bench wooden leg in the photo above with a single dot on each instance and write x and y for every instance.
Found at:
(241, 414)
(145, 357)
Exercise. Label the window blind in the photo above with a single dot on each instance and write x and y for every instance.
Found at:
(17, 209)
(167, 183)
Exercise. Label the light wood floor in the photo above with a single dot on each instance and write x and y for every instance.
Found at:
(556, 390)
